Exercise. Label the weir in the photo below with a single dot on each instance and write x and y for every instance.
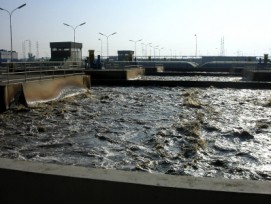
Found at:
(27, 85)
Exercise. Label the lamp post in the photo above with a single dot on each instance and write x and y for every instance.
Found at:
(148, 44)
(107, 36)
(10, 14)
(74, 28)
(160, 51)
(196, 45)
(101, 47)
(143, 44)
(135, 44)
(154, 48)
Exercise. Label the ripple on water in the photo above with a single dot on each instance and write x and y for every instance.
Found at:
(150, 129)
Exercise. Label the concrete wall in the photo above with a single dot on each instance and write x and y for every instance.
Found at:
(217, 66)
(171, 65)
(229, 58)
(39, 90)
(154, 69)
(202, 84)
(116, 74)
(257, 75)
(30, 182)
(135, 73)
(51, 89)
(9, 94)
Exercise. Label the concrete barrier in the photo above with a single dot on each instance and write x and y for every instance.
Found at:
(116, 74)
(51, 89)
(39, 90)
(225, 66)
(150, 70)
(32, 182)
(9, 94)
(202, 84)
(257, 75)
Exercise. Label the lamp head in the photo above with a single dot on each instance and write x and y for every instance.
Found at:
(21, 6)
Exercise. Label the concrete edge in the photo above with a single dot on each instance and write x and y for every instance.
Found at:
(199, 84)
(139, 178)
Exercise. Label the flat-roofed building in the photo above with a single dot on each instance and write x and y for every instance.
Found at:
(66, 50)
(5, 56)
(125, 55)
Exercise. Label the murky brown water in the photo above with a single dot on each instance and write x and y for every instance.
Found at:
(197, 132)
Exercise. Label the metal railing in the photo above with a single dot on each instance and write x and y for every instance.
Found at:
(29, 71)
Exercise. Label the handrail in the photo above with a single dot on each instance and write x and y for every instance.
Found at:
(16, 72)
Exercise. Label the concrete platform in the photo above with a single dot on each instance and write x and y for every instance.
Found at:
(116, 74)
(149, 70)
(237, 70)
(32, 182)
(257, 75)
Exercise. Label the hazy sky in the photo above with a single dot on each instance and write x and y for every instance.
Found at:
(169, 24)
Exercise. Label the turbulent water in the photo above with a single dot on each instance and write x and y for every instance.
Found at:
(182, 131)
(192, 78)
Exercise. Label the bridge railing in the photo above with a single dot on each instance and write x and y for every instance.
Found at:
(29, 71)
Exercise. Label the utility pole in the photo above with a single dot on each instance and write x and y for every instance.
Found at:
(196, 53)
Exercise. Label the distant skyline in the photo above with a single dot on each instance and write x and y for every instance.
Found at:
(174, 25)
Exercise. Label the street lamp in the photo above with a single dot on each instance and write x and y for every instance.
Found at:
(154, 48)
(10, 14)
(107, 36)
(135, 44)
(74, 28)
(160, 51)
(143, 44)
(196, 45)
(146, 48)
(101, 47)
(148, 44)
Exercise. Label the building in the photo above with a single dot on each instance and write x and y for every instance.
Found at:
(125, 55)
(5, 56)
(66, 50)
